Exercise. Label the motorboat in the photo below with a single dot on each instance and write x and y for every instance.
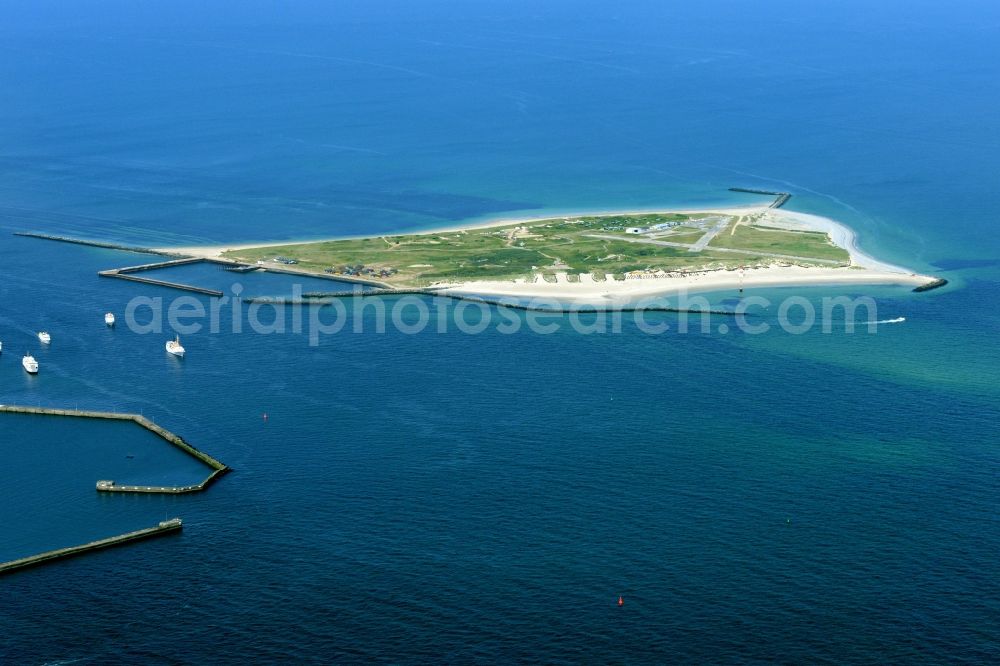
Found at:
(30, 364)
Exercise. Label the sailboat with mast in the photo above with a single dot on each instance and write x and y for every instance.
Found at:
(174, 347)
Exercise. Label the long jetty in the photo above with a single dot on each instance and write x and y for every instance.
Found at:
(91, 243)
(218, 468)
(336, 277)
(782, 197)
(933, 284)
(160, 283)
(128, 273)
(229, 264)
(107, 486)
(325, 298)
(158, 264)
(171, 526)
(502, 303)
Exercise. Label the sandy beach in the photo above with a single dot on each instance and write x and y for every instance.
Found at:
(615, 291)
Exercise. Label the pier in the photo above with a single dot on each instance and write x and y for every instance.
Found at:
(782, 197)
(325, 298)
(161, 283)
(158, 264)
(128, 273)
(933, 284)
(108, 486)
(90, 243)
(179, 259)
(391, 291)
(218, 468)
(501, 303)
(171, 526)
(328, 276)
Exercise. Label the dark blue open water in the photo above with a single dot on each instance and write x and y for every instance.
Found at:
(822, 498)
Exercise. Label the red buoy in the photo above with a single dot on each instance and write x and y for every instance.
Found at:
(621, 601)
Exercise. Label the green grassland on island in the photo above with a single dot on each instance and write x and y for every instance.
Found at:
(812, 244)
(598, 244)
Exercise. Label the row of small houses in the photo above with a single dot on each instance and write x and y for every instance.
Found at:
(650, 273)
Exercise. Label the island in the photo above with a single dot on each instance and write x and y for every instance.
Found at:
(602, 256)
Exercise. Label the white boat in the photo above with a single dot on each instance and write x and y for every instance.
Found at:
(30, 364)
(44, 337)
(1, 346)
(109, 319)
(174, 347)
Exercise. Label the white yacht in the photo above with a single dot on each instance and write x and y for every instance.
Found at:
(44, 337)
(109, 318)
(30, 364)
(174, 347)
(1, 346)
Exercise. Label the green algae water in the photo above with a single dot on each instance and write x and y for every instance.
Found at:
(445, 497)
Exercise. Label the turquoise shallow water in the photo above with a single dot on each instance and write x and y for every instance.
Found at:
(820, 498)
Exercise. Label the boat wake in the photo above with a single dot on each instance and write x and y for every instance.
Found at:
(876, 322)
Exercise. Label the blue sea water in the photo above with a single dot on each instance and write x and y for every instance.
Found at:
(816, 498)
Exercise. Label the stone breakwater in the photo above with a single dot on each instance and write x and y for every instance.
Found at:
(218, 468)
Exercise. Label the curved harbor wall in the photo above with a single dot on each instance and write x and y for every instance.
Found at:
(218, 468)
